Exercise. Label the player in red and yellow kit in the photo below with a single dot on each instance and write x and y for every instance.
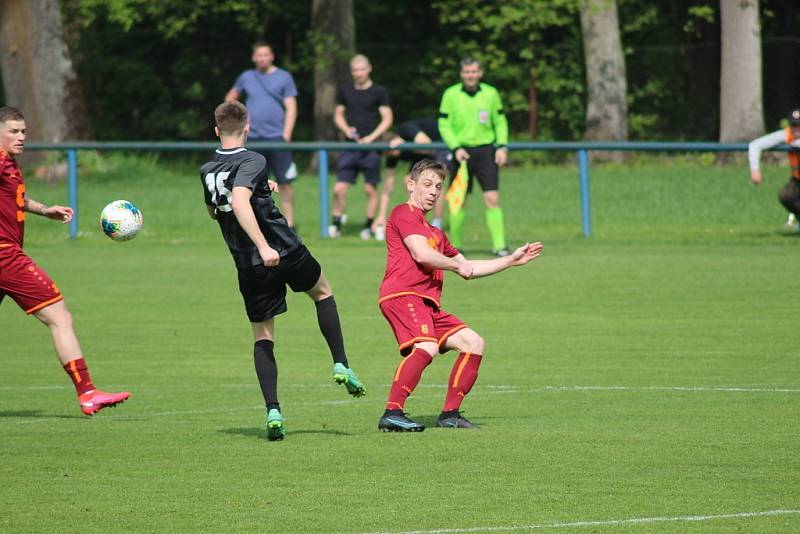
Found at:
(417, 256)
(23, 280)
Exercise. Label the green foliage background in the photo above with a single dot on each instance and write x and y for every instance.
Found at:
(154, 70)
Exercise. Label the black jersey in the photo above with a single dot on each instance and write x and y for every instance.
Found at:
(240, 167)
(361, 106)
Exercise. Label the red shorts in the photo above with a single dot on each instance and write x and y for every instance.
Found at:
(25, 282)
(414, 319)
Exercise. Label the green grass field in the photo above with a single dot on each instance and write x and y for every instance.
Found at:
(645, 379)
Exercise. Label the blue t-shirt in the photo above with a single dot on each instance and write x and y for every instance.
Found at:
(265, 93)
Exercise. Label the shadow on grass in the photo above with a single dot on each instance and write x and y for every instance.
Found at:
(260, 433)
(27, 414)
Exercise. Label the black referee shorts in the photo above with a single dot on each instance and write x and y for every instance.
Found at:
(264, 288)
(481, 167)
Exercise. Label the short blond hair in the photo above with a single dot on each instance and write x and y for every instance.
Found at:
(358, 58)
(231, 117)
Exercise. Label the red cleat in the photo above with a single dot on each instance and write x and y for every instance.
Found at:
(95, 400)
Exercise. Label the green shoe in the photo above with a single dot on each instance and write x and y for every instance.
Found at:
(343, 375)
(275, 430)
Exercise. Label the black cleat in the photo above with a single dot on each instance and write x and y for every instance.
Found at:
(454, 420)
(398, 423)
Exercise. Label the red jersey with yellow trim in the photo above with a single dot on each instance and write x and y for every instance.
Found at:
(403, 275)
(12, 201)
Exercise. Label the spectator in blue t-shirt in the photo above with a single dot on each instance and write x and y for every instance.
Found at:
(271, 99)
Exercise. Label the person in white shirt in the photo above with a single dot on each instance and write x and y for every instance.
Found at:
(789, 196)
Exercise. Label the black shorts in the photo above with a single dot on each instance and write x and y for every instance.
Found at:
(481, 167)
(280, 165)
(352, 161)
(264, 288)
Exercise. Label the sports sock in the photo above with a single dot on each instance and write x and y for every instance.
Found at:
(81, 379)
(456, 227)
(368, 223)
(462, 378)
(266, 370)
(328, 319)
(494, 220)
(337, 221)
(407, 377)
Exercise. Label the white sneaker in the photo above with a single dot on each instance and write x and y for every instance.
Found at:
(791, 223)
(334, 232)
(437, 223)
(365, 234)
(380, 232)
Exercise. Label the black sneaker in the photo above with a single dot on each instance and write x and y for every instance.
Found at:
(502, 253)
(454, 420)
(398, 422)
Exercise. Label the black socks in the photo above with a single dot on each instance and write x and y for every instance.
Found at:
(267, 371)
(328, 319)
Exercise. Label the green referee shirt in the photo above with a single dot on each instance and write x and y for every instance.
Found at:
(468, 120)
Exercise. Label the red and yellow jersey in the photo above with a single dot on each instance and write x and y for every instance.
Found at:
(12, 202)
(794, 155)
(403, 275)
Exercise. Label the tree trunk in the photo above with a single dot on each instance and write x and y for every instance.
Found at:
(333, 33)
(606, 106)
(38, 75)
(741, 107)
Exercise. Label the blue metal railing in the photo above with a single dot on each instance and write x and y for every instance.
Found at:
(322, 149)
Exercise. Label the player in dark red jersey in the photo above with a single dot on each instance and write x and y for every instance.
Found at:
(418, 254)
(26, 282)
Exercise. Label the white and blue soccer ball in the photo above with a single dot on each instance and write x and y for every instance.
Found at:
(121, 220)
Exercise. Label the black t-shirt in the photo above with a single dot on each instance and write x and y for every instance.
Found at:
(361, 106)
(240, 167)
(410, 128)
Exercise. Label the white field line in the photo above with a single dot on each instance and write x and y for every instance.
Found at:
(479, 391)
(601, 523)
(491, 387)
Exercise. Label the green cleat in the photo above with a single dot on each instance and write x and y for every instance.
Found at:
(275, 430)
(346, 376)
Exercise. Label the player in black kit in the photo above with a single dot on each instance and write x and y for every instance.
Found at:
(268, 255)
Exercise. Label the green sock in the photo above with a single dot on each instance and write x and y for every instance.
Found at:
(456, 227)
(494, 220)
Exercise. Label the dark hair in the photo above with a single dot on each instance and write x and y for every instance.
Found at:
(428, 165)
(8, 113)
(231, 117)
(467, 61)
(261, 44)
(794, 117)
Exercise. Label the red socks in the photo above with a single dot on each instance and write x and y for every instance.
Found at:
(462, 378)
(77, 371)
(407, 377)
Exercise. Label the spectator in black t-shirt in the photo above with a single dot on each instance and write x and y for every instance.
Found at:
(362, 114)
(419, 131)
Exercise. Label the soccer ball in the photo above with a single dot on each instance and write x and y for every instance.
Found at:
(121, 220)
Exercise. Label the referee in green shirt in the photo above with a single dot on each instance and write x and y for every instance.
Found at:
(472, 123)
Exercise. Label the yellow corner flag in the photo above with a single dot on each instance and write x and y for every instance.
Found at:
(458, 189)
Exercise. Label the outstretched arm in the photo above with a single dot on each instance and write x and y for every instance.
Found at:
(524, 254)
(431, 258)
(57, 213)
